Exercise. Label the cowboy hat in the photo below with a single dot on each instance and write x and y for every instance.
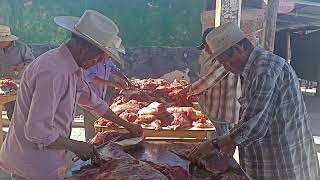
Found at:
(222, 38)
(96, 29)
(5, 34)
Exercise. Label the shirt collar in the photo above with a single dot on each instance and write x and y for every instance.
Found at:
(70, 62)
(254, 54)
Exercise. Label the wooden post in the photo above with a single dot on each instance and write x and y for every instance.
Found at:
(271, 22)
(288, 55)
(227, 11)
(318, 89)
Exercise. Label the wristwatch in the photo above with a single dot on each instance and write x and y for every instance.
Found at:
(214, 143)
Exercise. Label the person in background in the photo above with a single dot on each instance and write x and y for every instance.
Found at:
(273, 133)
(98, 78)
(51, 86)
(14, 57)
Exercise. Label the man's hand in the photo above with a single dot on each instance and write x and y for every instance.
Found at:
(120, 85)
(227, 145)
(201, 150)
(135, 129)
(83, 150)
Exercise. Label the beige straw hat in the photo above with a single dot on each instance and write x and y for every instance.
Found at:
(5, 34)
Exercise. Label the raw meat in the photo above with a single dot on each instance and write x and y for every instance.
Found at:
(227, 176)
(149, 84)
(8, 87)
(102, 137)
(215, 162)
(172, 172)
(188, 110)
(132, 106)
(145, 119)
(106, 123)
(153, 109)
(181, 120)
(119, 165)
(130, 117)
(170, 106)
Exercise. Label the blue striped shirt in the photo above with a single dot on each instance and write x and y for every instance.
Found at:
(274, 136)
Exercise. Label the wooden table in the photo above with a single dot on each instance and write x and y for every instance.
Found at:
(166, 133)
(4, 99)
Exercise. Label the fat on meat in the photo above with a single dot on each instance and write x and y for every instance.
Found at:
(153, 109)
(181, 120)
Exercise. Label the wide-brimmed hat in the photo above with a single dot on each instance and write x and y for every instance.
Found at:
(222, 38)
(96, 29)
(5, 34)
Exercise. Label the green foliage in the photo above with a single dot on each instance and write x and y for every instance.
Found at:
(142, 23)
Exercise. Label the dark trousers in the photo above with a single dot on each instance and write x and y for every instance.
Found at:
(9, 107)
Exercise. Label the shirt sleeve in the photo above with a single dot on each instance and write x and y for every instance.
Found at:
(113, 67)
(91, 73)
(210, 80)
(89, 100)
(48, 90)
(27, 55)
(258, 114)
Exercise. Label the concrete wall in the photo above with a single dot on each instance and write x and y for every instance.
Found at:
(151, 62)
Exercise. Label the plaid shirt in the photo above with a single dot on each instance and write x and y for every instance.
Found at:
(274, 137)
(218, 93)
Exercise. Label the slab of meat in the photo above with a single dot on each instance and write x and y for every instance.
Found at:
(187, 110)
(181, 120)
(227, 176)
(8, 87)
(130, 117)
(153, 109)
(119, 165)
(149, 84)
(202, 123)
(215, 162)
(172, 172)
(102, 137)
(145, 119)
(132, 106)
(106, 123)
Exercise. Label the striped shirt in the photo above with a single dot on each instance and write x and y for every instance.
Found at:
(218, 93)
(274, 137)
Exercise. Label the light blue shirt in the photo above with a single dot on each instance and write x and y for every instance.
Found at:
(102, 70)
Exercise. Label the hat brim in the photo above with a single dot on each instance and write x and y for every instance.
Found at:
(8, 38)
(68, 23)
(211, 58)
(201, 46)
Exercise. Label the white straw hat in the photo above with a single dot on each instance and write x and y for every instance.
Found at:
(5, 34)
(97, 29)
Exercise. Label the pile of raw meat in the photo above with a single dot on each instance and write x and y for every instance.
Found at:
(169, 164)
(157, 104)
(8, 87)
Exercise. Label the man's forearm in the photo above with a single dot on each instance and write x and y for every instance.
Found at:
(123, 77)
(63, 143)
(98, 81)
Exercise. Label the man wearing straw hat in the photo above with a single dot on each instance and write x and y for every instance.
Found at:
(14, 56)
(218, 91)
(38, 138)
(273, 133)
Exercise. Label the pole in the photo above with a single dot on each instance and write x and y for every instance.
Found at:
(271, 22)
